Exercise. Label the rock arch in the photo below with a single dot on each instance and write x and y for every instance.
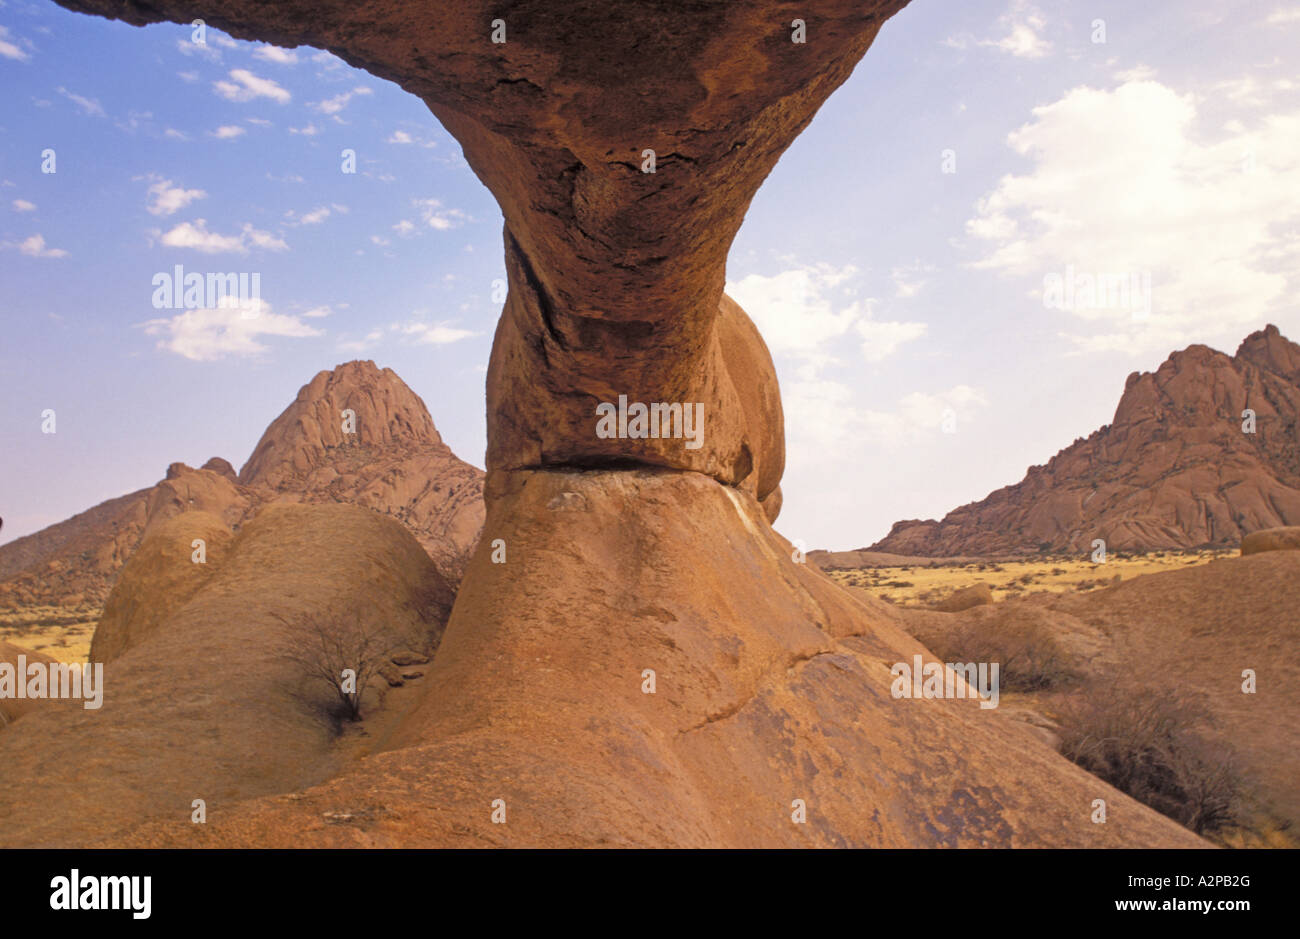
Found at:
(627, 555)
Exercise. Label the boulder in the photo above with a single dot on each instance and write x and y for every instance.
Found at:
(1272, 539)
(978, 594)
(13, 708)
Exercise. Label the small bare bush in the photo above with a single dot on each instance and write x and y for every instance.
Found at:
(1029, 657)
(327, 646)
(1145, 741)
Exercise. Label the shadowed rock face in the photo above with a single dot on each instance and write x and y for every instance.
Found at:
(615, 274)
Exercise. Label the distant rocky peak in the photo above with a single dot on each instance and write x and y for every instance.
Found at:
(1268, 348)
(355, 404)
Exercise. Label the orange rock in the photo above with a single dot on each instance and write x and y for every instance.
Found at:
(1175, 469)
(980, 594)
(1272, 539)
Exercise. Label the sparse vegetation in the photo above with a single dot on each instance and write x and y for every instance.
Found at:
(921, 585)
(343, 650)
(1029, 657)
(61, 632)
(1146, 741)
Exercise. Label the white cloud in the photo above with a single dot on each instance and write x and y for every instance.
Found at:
(247, 86)
(189, 77)
(1138, 73)
(175, 134)
(328, 62)
(928, 411)
(367, 342)
(318, 312)
(166, 199)
(22, 205)
(8, 49)
(881, 340)
(404, 228)
(314, 217)
(797, 312)
(908, 281)
(401, 136)
(340, 101)
(276, 54)
(262, 239)
(229, 132)
(195, 235)
(1283, 15)
(1024, 26)
(311, 130)
(89, 106)
(438, 218)
(823, 417)
(436, 334)
(189, 47)
(1128, 182)
(231, 328)
(34, 247)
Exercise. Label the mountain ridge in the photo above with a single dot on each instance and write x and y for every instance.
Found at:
(394, 462)
(1174, 469)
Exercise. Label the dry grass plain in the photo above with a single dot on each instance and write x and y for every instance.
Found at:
(63, 633)
(923, 584)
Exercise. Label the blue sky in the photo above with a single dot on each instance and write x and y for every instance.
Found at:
(896, 259)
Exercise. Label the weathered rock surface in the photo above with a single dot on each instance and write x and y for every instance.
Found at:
(1173, 470)
(201, 702)
(391, 459)
(13, 708)
(160, 577)
(761, 697)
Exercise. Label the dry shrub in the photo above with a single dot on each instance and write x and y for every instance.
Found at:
(323, 645)
(1029, 657)
(1145, 741)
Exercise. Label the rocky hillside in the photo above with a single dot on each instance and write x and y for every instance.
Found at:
(390, 459)
(1174, 469)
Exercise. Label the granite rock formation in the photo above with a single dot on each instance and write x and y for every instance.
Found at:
(395, 463)
(1286, 538)
(629, 554)
(1174, 469)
